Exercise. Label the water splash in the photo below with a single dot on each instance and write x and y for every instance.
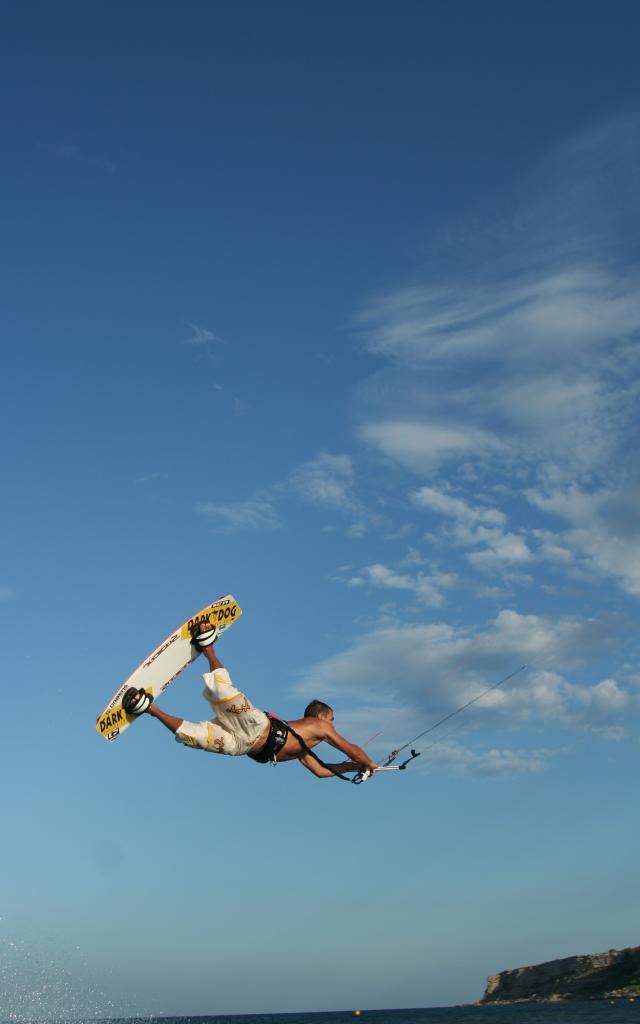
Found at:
(48, 985)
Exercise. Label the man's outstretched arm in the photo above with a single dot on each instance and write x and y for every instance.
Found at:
(327, 771)
(358, 758)
(352, 750)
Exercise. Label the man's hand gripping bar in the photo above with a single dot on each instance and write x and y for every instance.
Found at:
(364, 775)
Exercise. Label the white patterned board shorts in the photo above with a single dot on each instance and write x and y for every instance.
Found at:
(236, 726)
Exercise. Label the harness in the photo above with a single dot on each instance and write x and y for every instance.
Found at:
(278, 732)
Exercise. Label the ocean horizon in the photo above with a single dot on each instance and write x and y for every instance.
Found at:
(592, 1012)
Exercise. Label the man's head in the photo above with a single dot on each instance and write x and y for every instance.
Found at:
(318, 709)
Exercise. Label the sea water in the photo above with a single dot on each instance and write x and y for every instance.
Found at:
(594, 1012)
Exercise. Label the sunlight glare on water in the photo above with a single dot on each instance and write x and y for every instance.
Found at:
(38, 983)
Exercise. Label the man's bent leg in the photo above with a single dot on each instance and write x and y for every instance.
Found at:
(208, 736)
(237, 724)
(218, 688)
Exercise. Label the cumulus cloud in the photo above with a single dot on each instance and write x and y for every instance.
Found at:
(495, 762)
(504, 549)
(603, 532)
(423, 447)
(382, 726)
(456, 746)
(428, 588)
(426, 671)
(480, 526)
(447, 504)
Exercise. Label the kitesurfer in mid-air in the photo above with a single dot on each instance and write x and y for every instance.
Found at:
(240, 728)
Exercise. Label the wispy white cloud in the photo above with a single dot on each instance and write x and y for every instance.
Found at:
(551, 401)
(202, 336)
(534, 317)
(151, 478)
(256, 513)
(325, 480)
(523, 372)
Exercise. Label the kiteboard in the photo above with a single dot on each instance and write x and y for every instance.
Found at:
(165, 663)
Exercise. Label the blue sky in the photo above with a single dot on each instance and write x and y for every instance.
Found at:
(334, 307)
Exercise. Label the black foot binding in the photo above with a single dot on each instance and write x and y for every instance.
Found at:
(136, 702)
(204, 635)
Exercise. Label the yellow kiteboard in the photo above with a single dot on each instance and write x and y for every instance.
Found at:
(165, 663)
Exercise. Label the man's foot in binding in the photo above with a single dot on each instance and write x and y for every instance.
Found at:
(204, 635)
(136, 702)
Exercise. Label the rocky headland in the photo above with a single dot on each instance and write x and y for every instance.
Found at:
(612, 975)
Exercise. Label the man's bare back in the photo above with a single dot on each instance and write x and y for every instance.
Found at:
(316, 729)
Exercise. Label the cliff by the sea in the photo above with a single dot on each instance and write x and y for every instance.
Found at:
(612, 975)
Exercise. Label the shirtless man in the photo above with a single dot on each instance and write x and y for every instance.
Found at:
(240, 728)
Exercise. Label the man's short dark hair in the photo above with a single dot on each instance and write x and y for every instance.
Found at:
(316, 708)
